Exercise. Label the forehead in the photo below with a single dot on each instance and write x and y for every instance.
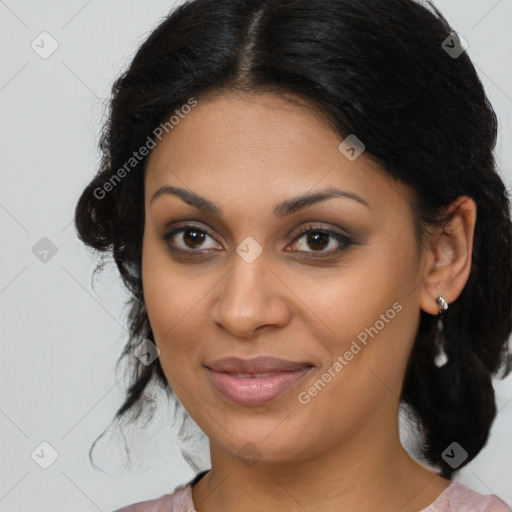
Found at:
(260, 148)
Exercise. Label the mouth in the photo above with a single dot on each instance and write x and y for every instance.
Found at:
(255, 381)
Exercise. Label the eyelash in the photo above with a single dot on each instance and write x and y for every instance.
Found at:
(345, 240)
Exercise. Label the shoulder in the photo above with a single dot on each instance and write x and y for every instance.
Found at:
(458, 497)
(179, 501)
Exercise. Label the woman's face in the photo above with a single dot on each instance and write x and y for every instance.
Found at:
(239, 279)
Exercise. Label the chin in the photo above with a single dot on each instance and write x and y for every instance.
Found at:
(255, 446)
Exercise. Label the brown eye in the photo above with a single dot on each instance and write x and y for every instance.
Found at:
(191, 240)
(318, 240)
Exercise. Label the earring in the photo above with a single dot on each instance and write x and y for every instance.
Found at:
(441, 358)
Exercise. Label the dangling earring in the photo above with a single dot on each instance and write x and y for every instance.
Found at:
(441, 358)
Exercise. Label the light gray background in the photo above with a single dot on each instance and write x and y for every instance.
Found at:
(61, 337)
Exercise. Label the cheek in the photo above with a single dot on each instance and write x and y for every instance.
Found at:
(170, 301)
(368, 314)
(354, 297)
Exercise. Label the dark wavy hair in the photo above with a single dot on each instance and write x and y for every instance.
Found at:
(378, 69)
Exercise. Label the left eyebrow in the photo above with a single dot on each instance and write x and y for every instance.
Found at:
(298, 203)
(280, 210)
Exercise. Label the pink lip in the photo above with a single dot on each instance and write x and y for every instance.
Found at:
(255, 390)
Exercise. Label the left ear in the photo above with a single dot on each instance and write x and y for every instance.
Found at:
(448, 258)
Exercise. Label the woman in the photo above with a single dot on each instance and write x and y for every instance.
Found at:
(302, 199)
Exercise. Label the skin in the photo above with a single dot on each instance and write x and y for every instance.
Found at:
(341, 451)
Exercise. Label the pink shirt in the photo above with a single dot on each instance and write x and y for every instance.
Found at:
(455, 498)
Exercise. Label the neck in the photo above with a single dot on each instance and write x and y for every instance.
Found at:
(369, 472)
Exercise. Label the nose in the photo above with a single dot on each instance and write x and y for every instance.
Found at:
(252, 297)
